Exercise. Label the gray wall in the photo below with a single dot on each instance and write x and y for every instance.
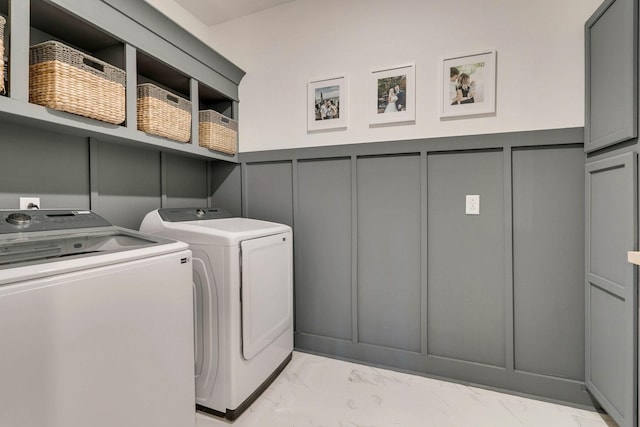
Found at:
(121, 183)
(323, 266)
(388, 241)
(466, 257)
(51, 166)
(544, 233)
(390, 270)
(273, 182)
(226, 181)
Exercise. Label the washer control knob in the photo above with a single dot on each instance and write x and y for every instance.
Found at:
(18, 218)
(200, 213)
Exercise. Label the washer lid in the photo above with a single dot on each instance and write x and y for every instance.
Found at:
(43, 248)
(27, 256)
(68, 240)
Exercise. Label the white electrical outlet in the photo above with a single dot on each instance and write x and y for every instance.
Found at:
(29, 203)
(473, 204)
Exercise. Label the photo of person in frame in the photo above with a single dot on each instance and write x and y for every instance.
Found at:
(466, 83)
(327, 103)
(392, 96)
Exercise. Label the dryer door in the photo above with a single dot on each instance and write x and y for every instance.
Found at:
(267, 291)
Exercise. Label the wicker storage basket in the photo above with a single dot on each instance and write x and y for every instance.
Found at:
(3, 89)
(218, 132)
(163, 113)
(65, 79)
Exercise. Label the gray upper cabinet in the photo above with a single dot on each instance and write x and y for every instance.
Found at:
(134, 37)
(611, 76)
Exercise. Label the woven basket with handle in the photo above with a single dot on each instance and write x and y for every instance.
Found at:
(218, 132)
(66, 79)
(3, 21)
(162, 113)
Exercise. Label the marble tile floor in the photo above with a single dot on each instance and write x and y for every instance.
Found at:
(317, 391)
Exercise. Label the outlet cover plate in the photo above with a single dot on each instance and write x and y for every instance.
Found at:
(24, 202)
(472, 206)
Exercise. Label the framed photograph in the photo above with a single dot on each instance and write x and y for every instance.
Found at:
(468, 85)
(327, 104)
(394, 95)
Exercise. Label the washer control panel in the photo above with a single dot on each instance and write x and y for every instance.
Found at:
(19, 218)
(46, 220)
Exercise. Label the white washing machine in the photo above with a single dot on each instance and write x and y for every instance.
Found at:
(96, 324)
(243, 288)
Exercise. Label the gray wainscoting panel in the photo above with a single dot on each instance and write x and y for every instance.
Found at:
(186, 180)
(323, 248)
(226, 187)
(269, 191)
(389, 256)
(42, 164)
(439, 302)
(466, 301)
(548, 260)
(128, 184)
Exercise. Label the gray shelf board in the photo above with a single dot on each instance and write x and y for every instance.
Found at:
(208, 95)
(162, 73)
(160, 42)
(152, 70)
(57, 121)
(152, 19)
(62, 25)
(177, 86)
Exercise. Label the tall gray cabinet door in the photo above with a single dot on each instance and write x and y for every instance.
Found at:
(611, 74)
(611, 288)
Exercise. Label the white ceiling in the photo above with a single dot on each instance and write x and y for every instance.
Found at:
(212, 12)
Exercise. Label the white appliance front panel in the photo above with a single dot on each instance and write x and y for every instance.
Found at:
(108, 346)
(267, 291)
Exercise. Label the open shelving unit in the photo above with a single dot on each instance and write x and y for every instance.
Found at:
(129, 35)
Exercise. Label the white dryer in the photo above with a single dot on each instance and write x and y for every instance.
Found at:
(243, 288)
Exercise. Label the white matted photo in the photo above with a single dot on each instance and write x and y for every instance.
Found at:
(327, 104)
(394, 95)
(468, 85)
